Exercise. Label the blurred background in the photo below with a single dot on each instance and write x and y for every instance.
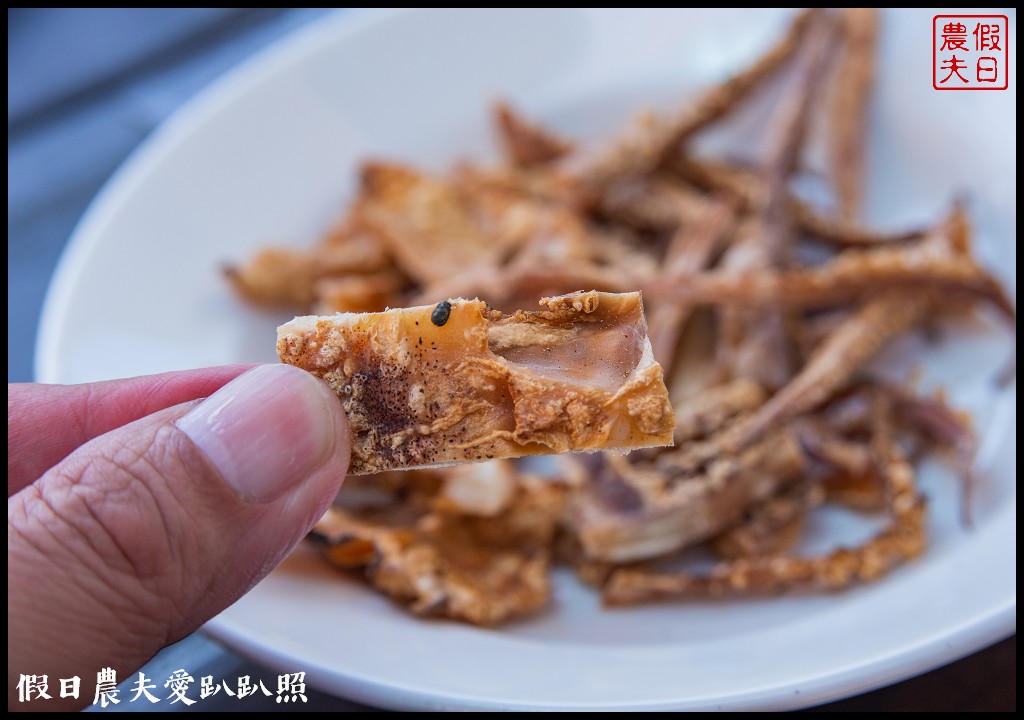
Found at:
(85, 87)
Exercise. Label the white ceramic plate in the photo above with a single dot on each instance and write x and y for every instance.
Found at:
(269, 154)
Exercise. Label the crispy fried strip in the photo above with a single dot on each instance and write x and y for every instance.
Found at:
(942, 426)
(883, 438)
(848, 111)
(787, 138)
(630, 513)
(427, 224)
(612, 249)
(372, 292)
(755, 342)
(495, 188)
(852, 344)
(689, 252)
(526, 144)
(648, 140)
(822, 443)
(846, 233)
(654, 202)
(737, 325)
(709, 411)
(285, 277)
(460, 382)
(772, 526)
(863, 493)
(484, 570)
(743, 184)
(849, 469)
(738, 181)
(918, 268)
(902, 540)
(279, 277)
(814, 327)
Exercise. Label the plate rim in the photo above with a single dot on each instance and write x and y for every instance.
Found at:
(999, 625)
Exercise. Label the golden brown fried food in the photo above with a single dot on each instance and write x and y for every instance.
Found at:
(766, 311)
(525, 143)
(772, 526)
(638, 511)
(428, 226)
(460, 382)
(850, 103)
(482, 569)
(903, 539)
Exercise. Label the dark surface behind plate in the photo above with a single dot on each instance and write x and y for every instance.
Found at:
(84, 88)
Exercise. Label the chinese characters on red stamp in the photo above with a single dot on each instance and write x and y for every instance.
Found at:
(970, 52)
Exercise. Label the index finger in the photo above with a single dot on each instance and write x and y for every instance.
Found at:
(45, 423)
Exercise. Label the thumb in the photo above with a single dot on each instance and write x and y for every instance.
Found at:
(142, 534)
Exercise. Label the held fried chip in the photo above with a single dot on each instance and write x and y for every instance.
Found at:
(460, 382)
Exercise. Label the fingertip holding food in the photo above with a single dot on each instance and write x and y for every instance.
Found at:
(268, 430)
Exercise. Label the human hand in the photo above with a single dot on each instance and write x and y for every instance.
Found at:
(136, 512)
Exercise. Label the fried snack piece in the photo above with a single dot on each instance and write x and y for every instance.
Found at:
(632, 513)
(848, 110)
(481, 568)
(903, 539)
(525, 143)
(286, 277)
(772, 526)
(429, 226)
(461, 382)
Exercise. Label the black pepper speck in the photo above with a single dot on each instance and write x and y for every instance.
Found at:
(441, 313)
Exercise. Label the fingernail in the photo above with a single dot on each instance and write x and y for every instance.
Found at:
(267, 430)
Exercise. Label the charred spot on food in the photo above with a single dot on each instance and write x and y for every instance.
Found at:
(441, 313)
